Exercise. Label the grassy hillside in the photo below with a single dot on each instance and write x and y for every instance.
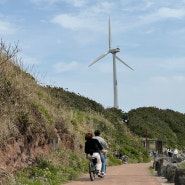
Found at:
(42, 129)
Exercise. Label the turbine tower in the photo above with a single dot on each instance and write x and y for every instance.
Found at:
(113, 51)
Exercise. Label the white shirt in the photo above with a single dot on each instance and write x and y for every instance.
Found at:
(102, 142)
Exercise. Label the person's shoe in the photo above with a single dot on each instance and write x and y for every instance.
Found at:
(100, 175)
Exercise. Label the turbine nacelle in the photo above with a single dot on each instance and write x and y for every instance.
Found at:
(114, 50)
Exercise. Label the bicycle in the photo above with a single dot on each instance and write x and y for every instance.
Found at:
(92, 168)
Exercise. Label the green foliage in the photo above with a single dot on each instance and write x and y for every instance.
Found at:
(22, 121)
(47, 173)
(114, 115)
(76, 101)
(44, 111)
(181, 165)
(165, 125)
(113, 161)
(32, 176)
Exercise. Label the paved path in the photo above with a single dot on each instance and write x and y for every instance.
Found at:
(125, 174)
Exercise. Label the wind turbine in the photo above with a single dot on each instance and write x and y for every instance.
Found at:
(113, 51)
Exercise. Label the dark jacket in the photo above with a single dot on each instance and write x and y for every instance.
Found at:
(92, 146)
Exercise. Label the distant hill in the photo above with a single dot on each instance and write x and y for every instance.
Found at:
(166, 125)
(42, 128)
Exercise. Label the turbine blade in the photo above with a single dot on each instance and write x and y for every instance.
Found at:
(124, 62)
(110, 38)
(100, 57)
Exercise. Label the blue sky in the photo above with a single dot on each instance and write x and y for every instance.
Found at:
(60, 38)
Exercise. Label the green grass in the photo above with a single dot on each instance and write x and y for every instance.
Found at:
(46, 173)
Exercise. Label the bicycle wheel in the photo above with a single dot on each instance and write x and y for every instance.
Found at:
(92, 171)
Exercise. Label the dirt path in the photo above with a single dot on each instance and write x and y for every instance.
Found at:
(126, 174)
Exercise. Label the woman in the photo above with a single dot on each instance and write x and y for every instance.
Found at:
(93, 149)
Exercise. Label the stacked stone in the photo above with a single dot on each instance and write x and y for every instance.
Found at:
(172, 168)
(179, 177)
(170, 172)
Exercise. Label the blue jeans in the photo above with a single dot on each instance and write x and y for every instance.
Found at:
(103, 160)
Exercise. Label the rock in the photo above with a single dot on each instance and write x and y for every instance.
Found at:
(180, 177)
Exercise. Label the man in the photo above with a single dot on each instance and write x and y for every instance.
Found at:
(103, 152)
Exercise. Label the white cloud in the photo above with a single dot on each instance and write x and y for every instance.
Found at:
(87, 17)
(69, 21)
(76, 3)
(30, 60)
(6, 28)
(61, 67)
(164, 80)
(172, 64)
(170, 13)
(162, 14)
(179, 78)
(76, 22)
(44, 1)
(101, 7)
